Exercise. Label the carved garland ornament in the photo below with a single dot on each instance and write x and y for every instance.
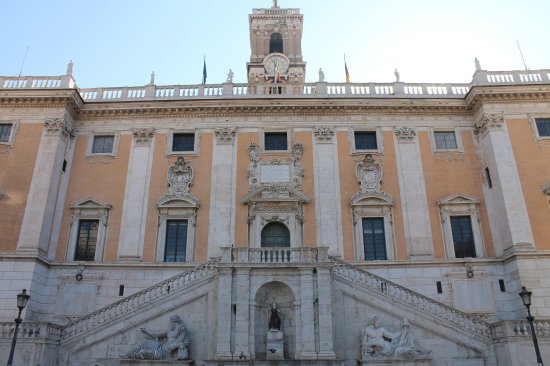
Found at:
(405, 134)
(324, 134)
(56, 126)
(225, 135)
(487, 123)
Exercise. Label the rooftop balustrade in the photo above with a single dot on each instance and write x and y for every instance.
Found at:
(265, 90)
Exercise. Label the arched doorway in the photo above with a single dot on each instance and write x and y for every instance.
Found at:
(275, 234)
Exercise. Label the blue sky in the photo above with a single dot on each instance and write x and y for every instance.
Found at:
(119, 42)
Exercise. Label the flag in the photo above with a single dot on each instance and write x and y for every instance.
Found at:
(276, 72)
(204, 74)
(346, 67)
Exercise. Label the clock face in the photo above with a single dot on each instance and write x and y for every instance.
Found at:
(274, 59)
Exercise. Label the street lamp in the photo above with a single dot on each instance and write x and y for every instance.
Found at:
(526, 298)
(22, 300)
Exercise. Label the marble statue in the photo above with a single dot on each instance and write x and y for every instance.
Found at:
(152, 80)
(274, 317)
(397, 76)
(230, 75)
(321, 75)
(478, 65)
(171, 344)
(378, 342)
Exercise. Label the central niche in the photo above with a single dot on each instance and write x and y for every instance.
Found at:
(275, 199)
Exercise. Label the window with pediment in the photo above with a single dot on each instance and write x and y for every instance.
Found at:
(88, 230)
(460, 223)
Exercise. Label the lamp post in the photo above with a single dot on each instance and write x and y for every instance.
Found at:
(526, 298)
(22, 300)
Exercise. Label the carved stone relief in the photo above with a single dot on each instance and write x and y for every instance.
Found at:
(143, 136)
(546, 190)
(180, 177)
(487, 123)
(324, 135)
(405, 134)
(225, 135)
(377, 342)
(169, 344)
(58, 126)
(369, 173)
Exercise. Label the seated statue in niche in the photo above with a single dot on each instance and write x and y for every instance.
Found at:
(171, 344)
(378, 342)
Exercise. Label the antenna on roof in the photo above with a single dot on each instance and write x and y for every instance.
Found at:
(521, 53)
(23, 63)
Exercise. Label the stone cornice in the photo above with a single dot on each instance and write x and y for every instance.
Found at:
(270, 107)
(507, 94)
(41, 98)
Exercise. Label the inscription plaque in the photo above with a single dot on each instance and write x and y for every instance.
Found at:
(275, 174)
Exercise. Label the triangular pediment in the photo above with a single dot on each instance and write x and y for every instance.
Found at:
(458, 199)
(372, 199)
(173, 201)
(275, 193)
(90, 203)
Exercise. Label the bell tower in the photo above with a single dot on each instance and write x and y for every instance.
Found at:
(276, 46)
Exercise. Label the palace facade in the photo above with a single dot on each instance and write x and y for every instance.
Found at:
(389, 223)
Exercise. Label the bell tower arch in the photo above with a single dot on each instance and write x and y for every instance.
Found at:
(276, 45)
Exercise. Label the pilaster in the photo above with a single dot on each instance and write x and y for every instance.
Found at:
(412, 187)
(327, 190)
(324, 300)
(50, 176)
(223, 347)
(134, 211)
(242, 323)
(222, 196)
(307, 317)
(508, 215)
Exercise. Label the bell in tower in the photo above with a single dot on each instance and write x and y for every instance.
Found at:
(276, 46)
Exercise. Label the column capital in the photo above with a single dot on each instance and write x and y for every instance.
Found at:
(405, 134)
(488, 122)
(58, 126)
(143, 136)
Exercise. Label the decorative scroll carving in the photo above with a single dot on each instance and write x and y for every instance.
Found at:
(324, 134)
(180, 176)
(378, 342)
(172, 344)
(487, 123)
(253, 153)
(405, 134)
(143, 136)
(225, 135)
(58, 126)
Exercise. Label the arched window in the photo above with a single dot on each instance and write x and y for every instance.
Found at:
(275, 235)
(276, 43)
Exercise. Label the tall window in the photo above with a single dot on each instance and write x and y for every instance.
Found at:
(103, 144)
(176, 241)
(5, 132)
(183, 142)
(275, 235)
(276, 43)
(463, 236)
(543, 126)
(275, 141)
(374, 238)
(365, 140)
(445, 140)
(86, 240)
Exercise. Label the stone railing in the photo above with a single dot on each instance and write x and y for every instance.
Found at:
(140, 300)
(263, 90)
(31, 330)
(275, 11)
(274, 255)
(37, 82)
(474, 324)
(520, 328)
